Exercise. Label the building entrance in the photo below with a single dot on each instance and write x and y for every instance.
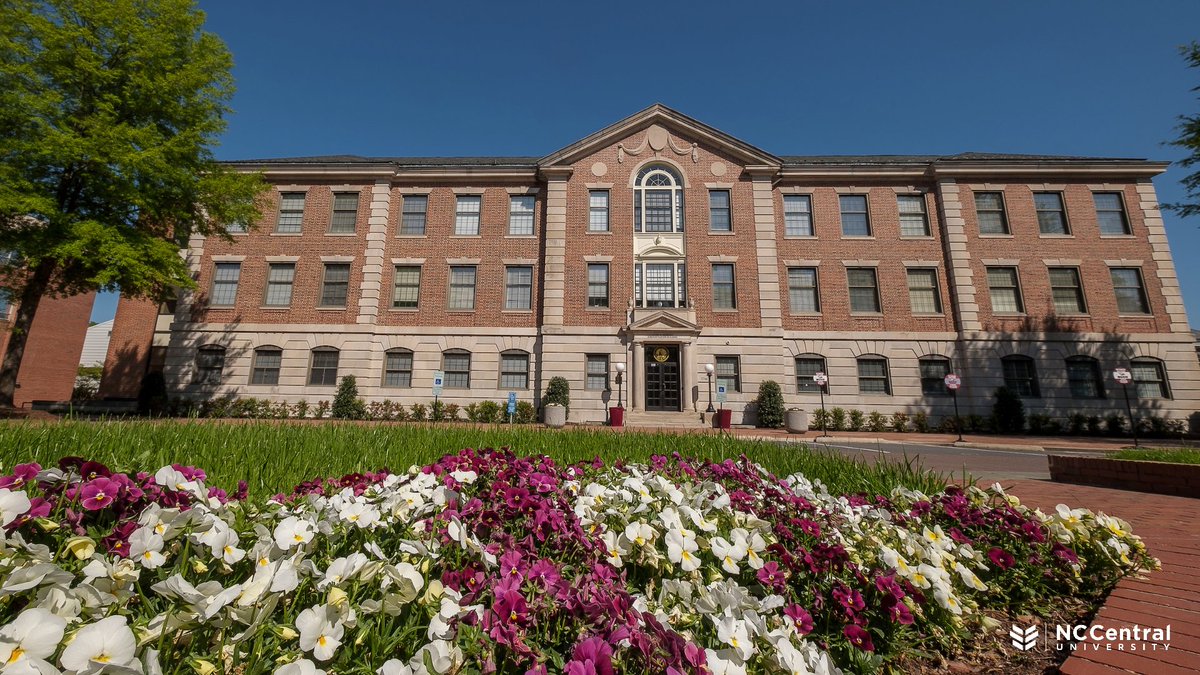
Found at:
(662, 377)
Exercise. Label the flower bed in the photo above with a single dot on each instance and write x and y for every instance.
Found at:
(487, 562)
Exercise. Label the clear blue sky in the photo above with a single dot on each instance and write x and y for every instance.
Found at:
(1100, 78)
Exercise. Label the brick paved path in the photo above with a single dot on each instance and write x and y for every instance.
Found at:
(1170, 528)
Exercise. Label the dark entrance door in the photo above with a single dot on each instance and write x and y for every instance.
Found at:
(662, 377)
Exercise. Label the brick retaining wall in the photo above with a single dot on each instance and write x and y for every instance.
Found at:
(1158, 477)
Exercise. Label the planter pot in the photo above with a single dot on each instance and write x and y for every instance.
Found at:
(555, 416)
(796, 421)
(722, 418)
(616, 416)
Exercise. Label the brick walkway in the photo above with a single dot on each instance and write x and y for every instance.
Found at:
(1169, 527)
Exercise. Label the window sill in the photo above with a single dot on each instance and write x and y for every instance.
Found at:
(1118, 236)
(602, 232)
(411, 236)
(918, 237)
(1055, 236)
(858, 236)
(461, 311)
(805, 314)
(1009, 315)
(404, 309)
(724, 310)
(604, 310)
(995, 236)
(276, 308)
(1135, 316)
(722, 233)
(931, 315)
(210, 307)
(331, 309)
(341, 234)
(799, 236)
(516, 311)
(1064, 315)
(287, 234)
(520, 236)
(866, 315)
(466, 236)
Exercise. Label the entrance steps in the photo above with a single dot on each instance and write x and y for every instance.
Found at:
(665, 420)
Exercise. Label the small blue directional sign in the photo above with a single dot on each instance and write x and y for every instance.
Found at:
(512, 402)
(439, 378)
(721, 393)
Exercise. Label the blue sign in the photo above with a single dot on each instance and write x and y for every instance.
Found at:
(512, 402)
(721, 394)
(439, 378)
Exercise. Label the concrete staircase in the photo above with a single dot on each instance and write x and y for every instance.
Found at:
(666, 420)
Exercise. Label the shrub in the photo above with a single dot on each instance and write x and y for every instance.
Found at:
(472, 412)
(876, 422)
(1094, 425)
(948, 425)
(490, 412)
(300, 409)
(437, 411)
(451, 412)
(1077, 423)
(282, 411)
(322, 409)
(820, 419)
(1114, 424)
(376, 411)
(526, 413)
(85, 389)
(920, 422)
(418, 412)
(977, 424)
(769, 405)
(837, 419)
(346, 404)
(857, 419)
(399, 412)
(899, 422)
(1008, 411)
(558, 390)
(1039, 423)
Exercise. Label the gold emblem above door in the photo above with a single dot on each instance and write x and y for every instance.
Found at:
(662, 354)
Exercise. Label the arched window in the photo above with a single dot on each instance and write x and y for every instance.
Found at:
(934, 370)
(514, 369)
(267, 362)
(873, 375)
(397, 368)
(1084, 378)
(1020, 375)
(808, 365)
(1150, 378)
(456, 364)
(210, 362)
(658, 200)
(324, 369)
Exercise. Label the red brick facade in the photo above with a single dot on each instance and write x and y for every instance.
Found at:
(52, 352)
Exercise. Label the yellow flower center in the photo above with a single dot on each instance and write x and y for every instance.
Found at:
(15, 656)
(512, 616)
(101, 658)
(321, 640)
(297, 537)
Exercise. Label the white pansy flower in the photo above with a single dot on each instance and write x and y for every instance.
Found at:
(735, 633)
(681, 550)
(360, 513)
(321, 631)
(301, 667)
(292, 532)
(105, 642)
(394, 667)
(728, 553)
(616, 549)
(146, 547)
(33, 636)
(13, 505)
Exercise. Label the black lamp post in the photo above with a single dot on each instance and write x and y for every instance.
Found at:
(709, 368)
(620, 380)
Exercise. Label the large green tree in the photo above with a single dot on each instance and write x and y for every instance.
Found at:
(1189, 138)
(109, 110)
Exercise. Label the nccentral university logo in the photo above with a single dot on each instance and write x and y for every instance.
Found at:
(1023, 638)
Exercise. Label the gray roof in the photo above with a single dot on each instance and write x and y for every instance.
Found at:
(398, 161)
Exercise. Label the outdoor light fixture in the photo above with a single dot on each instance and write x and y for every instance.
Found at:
(620, 379)
(709, 368)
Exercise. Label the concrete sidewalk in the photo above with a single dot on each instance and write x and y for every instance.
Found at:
(1169, 596)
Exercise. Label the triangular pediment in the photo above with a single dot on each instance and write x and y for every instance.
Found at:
(664, 321)
(661, 115)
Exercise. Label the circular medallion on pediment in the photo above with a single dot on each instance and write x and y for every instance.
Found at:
(599, 169)
(718, 168)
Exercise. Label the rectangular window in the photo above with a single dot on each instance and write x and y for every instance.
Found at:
(873, 376)
(806, 367)
(598, 211)
(324, 368)
(1052, 217)
(1005, 290)
(923, 296)
(933, 376)
(724, 294)
(797, 216)
(597, 372)
(462, 287)
(406, 291)
(345, 212)
(803, 296)
(864, 290)
(1150, 379)
(989, 209)
(658, 210)
(855, 222)
(518, 287)
(279, 284)
(457, 366)
(1084, 378)
(1110, 212)
(597, 285)
(660, 285)
(5, 304)
(225, 284)
(237, 227)
(210, 362)
(914, 222)
(1131, 295)
(729, 373)
(718, 211)
(397, 369)
(291, 212)
(514, 370)
(466, 215)
(1020, 375)
(267, 363)
(412, 216)
(335, 285)
(1067, 290)
(520, 214)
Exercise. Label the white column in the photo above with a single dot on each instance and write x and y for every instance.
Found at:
(687, 359)
(637, 388)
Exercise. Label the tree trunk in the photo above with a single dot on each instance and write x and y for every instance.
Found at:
(31, 296)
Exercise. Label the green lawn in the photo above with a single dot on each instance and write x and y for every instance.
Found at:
(274, 456)
(1173, 455)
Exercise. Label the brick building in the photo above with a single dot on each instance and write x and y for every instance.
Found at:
(663, 244)
(52, 352)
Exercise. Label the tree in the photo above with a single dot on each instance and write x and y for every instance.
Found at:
(1189, 138)
(109, 109)
(770, 405)
(346, 404)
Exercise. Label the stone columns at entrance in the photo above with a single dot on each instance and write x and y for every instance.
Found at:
(687, 363)
(637, 388)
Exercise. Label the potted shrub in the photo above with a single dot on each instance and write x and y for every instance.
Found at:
(555, 415)
(557, 402)
(796, 420)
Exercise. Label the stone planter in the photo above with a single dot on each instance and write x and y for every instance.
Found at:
(1164, 478)
(796, 421)
(555, 416)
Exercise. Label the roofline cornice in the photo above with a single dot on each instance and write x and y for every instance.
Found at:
(1036, 168)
